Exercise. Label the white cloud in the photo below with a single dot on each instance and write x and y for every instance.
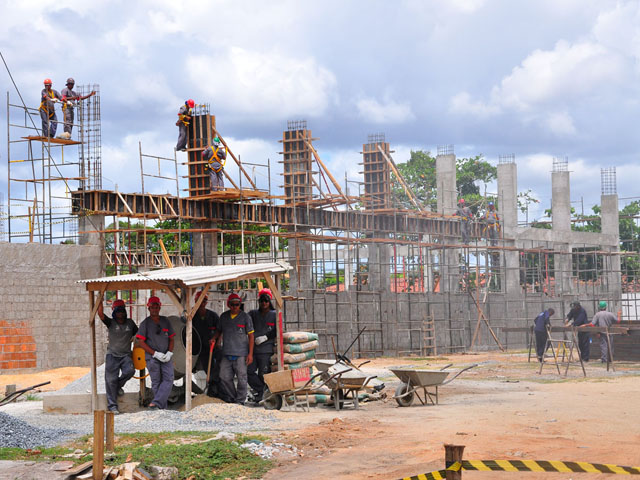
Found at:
(463, 103)
(466, 6)
(386, 112)
(262, 83)
(619, 28)
(561, 124)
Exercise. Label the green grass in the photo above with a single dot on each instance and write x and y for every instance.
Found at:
(212, 460)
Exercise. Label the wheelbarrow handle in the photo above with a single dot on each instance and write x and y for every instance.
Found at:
(446, 366)
(457, 374)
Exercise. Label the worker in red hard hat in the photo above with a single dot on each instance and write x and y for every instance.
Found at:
(48, 97)
(156, 339)
(184, 119)
(69, 98)
(466, 215)
(118, 364)
(264, 323)
(236, 328)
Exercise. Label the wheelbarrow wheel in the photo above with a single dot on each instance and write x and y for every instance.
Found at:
(271, 401)
(407, 400)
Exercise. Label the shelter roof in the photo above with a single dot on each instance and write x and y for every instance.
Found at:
(187, 276)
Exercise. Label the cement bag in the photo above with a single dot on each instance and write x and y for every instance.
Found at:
(294, 357)
(299, 337)
(293, 366)
(313, 398)
(301, 347)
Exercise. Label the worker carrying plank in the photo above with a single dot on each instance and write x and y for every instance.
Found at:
(215, 155)
(184, 119)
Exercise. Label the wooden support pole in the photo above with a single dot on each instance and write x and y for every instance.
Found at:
(98, 444)
(110, 441)
(453, 454)
(94, 357)
(189, 348)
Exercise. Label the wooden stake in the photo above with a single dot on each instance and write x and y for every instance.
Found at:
(110, 437)
(98, 444)
(453, 454)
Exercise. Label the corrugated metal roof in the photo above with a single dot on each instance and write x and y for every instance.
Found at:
(192, 276)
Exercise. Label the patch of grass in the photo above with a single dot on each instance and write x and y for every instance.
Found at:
(211, 460)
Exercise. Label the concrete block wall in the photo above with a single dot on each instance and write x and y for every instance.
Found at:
(44, 315)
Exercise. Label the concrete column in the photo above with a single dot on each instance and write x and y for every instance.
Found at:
(379, 267)
(512, 272)
(611, 226)
(560, 201)
(507, 194)
(300, 258)
(446, 183)
(92, 224)
(205, 245)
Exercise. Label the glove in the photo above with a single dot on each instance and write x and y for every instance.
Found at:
(167, 356)
(159, 356)
(261, 339)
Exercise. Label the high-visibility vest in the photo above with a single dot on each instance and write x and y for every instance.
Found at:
(182, 119)
(221, 161)
(44, 107)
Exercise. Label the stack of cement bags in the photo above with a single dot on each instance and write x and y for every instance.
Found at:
(299, 350)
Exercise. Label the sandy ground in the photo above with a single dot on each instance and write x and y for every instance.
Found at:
(501, 409)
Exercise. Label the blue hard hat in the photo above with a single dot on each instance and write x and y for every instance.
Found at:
(490, 204)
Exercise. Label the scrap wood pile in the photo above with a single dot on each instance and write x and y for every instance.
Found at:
(126, 471)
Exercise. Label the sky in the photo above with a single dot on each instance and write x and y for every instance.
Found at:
(537, 79)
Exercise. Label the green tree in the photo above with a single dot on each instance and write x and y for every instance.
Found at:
(419, 172)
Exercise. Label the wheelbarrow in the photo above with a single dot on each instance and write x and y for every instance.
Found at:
(413, 380)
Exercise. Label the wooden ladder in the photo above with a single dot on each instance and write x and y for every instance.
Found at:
(428, 337)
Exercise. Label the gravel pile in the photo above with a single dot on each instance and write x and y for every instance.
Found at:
(29, 422)
(18, 433)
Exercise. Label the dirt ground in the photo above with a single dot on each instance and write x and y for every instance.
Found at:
(501, 409)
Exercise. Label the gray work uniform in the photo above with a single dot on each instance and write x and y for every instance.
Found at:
(67, 109)
(182, 127)
(48, 112)
(157, 336)
(604, 319)
(465, 225)
(493, 226)
(235, 349)
(264, 325)
(118, 365)
(215, 155)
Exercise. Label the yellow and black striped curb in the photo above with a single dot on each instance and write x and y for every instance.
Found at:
(529, 466)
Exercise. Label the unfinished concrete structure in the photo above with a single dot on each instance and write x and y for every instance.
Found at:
(403, 274)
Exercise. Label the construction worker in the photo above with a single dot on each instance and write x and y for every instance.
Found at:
(184, 119)
(540, 325)
(465, 214)
(118, 365)
(493, 224)
(216, 156)
(205, 322)
(577, 317)
(156, 339)
(264, 323)
(236, 328)
(48, 98)
(603, 319)
(68, 99)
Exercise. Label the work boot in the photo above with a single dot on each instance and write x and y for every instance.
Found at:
(120, 392)
(114, 410)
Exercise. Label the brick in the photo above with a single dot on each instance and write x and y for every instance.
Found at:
(28, 347)
(27, 364)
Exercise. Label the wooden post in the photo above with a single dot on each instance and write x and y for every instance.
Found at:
(110, 437)
(275, 290)
(94, 374)
(453, 454)
(189, 348)
(98, 444)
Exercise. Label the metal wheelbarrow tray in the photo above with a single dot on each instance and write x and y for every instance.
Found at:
(413, 380)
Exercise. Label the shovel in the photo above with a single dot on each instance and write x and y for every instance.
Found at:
(206, 388)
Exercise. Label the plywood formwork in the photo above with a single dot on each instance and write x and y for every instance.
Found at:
(377, 174)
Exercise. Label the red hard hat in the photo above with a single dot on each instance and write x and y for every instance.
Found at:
(265, 291)
(118, 303)
(153, 300)
(197, 296)
(191, 103)
(47, 81)
(233, 296)
(461, 200)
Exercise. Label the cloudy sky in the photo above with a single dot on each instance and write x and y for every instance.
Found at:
(538, 79)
